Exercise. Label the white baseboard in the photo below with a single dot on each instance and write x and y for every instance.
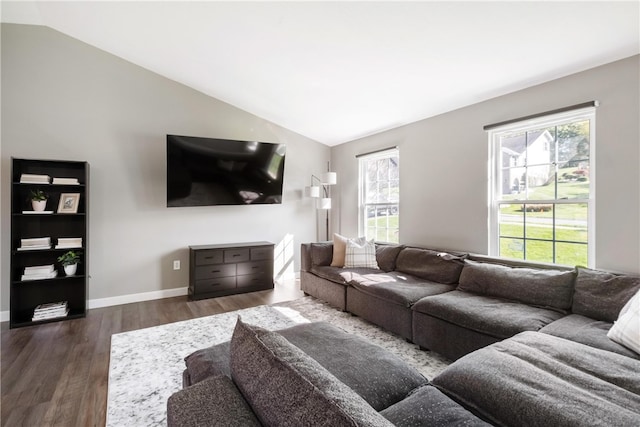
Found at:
(127, 299)
(144, 296)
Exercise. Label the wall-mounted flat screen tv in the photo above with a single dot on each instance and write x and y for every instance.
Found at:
(211, 171)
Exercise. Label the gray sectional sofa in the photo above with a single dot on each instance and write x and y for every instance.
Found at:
(529, 344)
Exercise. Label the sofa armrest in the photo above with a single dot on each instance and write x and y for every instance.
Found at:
(211, 402)
(305, 257)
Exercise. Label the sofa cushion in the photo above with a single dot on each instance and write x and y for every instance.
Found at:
(602, 295)
(496, 317)
(339, 274)
(360, 254)
(404, 293)
(540, 287)
(348, 357)
(213, 402)
(284, 386)
(208, 362)
(626, 330)
(587, 331)
(539, 379)
(386, 255)
(431, 265)
(339, 249)
(428, 406)
(321, 253)
(377, 375)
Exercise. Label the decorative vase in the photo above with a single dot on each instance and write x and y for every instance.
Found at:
(38, 205)
(70, 270)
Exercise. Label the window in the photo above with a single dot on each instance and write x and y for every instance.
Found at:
(542, 191)
(380, 195)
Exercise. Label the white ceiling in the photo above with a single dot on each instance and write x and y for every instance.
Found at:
(338, 71)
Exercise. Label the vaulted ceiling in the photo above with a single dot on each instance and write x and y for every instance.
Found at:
(338, 71)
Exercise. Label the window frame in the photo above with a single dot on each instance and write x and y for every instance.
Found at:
(495, 176)
(362, 204)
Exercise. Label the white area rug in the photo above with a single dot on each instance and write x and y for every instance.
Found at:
(146, 365)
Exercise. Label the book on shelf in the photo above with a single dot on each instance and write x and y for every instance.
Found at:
(69, 242)
(40, 276)
(29, 178)
(37, 212)
(38, 269)
(35, 243)
(50, 311)
(65, 181)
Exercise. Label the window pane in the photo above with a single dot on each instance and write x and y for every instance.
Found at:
(540, 182)
(511, 221)
(571, 253)
(573, 182)
(539, 221)
(540, 251)
(512, 248)
(539, 147)
(573, 142)
(571, 222)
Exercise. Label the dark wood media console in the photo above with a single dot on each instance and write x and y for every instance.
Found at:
(218, 270)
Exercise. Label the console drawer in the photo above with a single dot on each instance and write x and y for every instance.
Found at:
(213, 271)
(209, 257)
(213, 285)
(255, 281)
(260, 267)
(258, 254)
(236, 255)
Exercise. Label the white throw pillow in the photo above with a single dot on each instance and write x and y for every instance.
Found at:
(626, 330)
(360, 253)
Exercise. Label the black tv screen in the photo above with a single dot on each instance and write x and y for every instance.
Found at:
(210, 171)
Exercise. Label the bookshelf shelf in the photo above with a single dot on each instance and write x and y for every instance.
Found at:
(31, 228)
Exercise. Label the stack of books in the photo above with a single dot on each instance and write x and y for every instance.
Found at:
(28, 178)
(39, 272)
(35, 243)
(65, 181)
(50, 311)
(69, 242)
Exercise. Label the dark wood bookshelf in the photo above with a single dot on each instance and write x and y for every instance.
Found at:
(26, 295)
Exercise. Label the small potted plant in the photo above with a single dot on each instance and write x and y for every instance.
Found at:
(70, 261)
(38, 200)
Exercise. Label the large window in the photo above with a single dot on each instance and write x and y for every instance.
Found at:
(380, 195)
(543, 189)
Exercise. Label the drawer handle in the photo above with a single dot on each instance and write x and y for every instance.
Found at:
(236, 255)
(208, 257)
(215, 271)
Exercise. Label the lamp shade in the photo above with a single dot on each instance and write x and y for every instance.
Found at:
(329, 178)
(324, 203)
(312, 191)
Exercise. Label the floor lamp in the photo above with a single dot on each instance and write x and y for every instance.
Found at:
(319, 189)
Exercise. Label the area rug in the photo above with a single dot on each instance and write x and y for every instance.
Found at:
(146, 365)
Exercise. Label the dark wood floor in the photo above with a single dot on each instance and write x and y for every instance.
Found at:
(56, 374)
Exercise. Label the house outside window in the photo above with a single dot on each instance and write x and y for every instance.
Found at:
(542, 189)
(380, 195)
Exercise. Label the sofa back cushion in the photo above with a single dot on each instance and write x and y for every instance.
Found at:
(284, 386)
(535, 286)
(386, 255)
(321, 254)
(601, 295)
(431, 265)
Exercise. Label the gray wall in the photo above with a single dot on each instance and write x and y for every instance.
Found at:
(63, 99)
(444, 166)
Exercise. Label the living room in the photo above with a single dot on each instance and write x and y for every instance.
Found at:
(66, 99)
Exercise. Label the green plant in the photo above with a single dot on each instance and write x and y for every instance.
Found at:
(38, 195)
(70, 258)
